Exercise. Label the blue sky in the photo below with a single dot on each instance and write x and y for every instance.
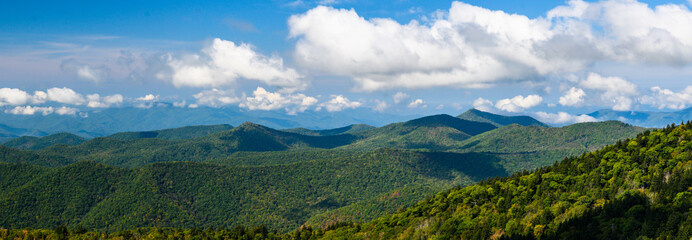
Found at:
(554, 60)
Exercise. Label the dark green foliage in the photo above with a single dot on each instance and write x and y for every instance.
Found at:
(529, 147)
(174, 133)
(438, 132)
(635, 188)
(237, 233)
(499, 120)
(186, 194)
(328, 132)
(36, 143)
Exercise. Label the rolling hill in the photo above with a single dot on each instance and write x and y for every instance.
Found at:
(432, 132)
(499, 120)
(328, 132)
(181, 133)
(36, 143)
(187, 194)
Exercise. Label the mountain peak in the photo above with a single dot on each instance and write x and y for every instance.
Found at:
(499, 120)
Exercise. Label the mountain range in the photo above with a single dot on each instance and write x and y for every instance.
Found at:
(218, 175)
(104, 122)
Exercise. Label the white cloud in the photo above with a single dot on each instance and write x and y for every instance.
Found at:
(182, 103)
(482, 104)
(338, 103)
(665, 98)
(615, 92)
(89, 73)
(400, 97)
(380, 106)
(215, 98)
(518, 103)
(563, 118)
(66, 110)
(264, 100)
(65, 95)
(148, 97)
(31, 110)
(417, 103)
(96, 101)
(472, 47)
(573, 97)
(15, 97)
(469, 47)
(223, 62)
(631, 30)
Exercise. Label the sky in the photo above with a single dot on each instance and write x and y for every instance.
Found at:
(554, 60)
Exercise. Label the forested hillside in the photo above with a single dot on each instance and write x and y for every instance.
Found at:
(36, 143)
(252, 175)
(635, 188)
(327, 132)
(499, 120)
(186, 194)
(181, 133)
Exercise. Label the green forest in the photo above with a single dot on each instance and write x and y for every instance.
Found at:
(437, 177)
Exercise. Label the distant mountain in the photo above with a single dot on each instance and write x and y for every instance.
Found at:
(103, 122)
(174, 133)
(643, 118)
(254, 174)
(7, 132)
(528, 147)
(36, 143)
(431, 132)
(328, 132)
(499, 120)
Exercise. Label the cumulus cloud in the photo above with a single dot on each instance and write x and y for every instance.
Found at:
(483, 104)
(666, 98)
(400, 97)
(264, 100)
(96, 101)
(563, 118)
(84, 71)
(338, 103)
(215, 98)
(631, 30)
(148, 97)
(15, 97)
(573, 97)
(417, 103)
(380, 106)
(518, 103)
(31, 110)
(65, 95)
(223, 62)
(614, 91)
(471, 47)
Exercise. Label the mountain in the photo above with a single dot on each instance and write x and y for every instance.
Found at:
(181, 133)
(187, 194)
(36, 143)
(7, 132)
(137, 152)
(104, 122)
(529, 147)
(635, 189)
(328, 132)
(644, 118)
(499, 120)
(343, 177)
(431, 132)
